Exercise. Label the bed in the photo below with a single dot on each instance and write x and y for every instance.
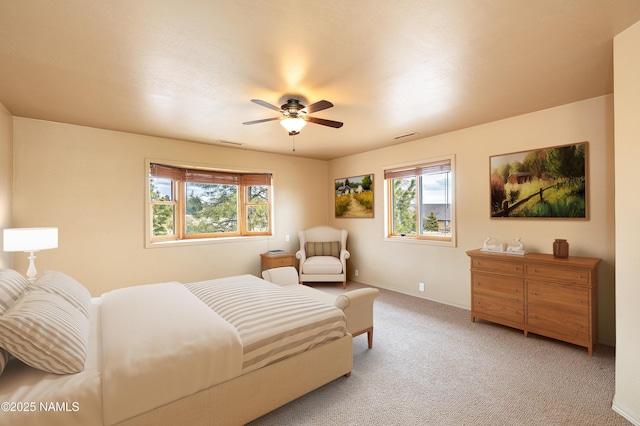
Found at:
(222, 351)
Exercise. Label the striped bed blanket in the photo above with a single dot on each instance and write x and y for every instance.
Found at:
(273, 322)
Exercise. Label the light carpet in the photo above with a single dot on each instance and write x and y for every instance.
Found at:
(430, 365)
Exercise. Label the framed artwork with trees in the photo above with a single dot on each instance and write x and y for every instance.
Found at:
(354, 197)
(541, 183)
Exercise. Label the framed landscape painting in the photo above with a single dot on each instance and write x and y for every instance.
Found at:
(354, 197)
(541, 183)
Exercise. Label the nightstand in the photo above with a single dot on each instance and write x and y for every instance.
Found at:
(270, 260)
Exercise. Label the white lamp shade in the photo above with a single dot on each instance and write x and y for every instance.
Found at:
(293, 124)
(30, 239)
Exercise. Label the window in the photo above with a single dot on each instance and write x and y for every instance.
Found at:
(195, 203)
(419, 200)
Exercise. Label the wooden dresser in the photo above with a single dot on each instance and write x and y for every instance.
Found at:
(537, 293)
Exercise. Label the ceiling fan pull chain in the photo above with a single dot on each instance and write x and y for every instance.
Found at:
(294, 143)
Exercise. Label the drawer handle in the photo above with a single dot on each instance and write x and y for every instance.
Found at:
(579, 301)
(579, 275)
(534, 269)
(534, 293)
(515, 290)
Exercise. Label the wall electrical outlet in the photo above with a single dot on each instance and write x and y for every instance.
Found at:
(286, 237)
(421, 286)
(356, 273)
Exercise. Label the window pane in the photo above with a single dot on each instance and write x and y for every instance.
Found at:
(211, 208)
(163, 220)
(257, 218)
(404, 207)
(161, 189)
(436, 204)
(258, 194)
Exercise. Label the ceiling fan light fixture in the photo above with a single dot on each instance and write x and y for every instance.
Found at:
(293, 125)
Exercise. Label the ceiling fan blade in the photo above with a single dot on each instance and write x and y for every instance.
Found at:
(265, 104)
(319, 106)
(261, 121)
(330, 123)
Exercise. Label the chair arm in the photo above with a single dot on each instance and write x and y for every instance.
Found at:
(344, 254)
(357, 297)
(287, 275)
(301, 255)
(357, 306)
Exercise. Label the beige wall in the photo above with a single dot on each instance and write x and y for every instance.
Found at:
(6, 179)
(627, 153)
(90, 183)
(445, 270)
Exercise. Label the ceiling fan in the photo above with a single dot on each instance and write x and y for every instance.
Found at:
(295, 115)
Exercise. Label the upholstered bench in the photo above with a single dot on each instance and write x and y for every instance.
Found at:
(357, 305)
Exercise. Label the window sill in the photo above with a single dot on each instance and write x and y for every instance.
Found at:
(205, 241)
(412, 240)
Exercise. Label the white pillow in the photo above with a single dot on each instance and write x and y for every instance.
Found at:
(12, 285)
(46, 332)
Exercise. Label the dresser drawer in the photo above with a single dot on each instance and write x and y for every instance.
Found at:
(498, 286)
(268, 260)
(494, 307)
(572, 275)
(562, 297)
(557, 322)
(498, 266)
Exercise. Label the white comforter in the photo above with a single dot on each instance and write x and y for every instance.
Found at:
(158, 334)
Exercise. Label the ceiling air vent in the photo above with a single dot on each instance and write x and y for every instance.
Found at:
(223, 142)
(407, 135)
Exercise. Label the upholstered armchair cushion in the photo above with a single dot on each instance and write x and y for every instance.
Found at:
(323, 248)
(322, 265)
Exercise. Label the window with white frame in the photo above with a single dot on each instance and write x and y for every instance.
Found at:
(420, 201)
(186, 203)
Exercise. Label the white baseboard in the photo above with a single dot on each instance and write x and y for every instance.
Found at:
(634, 418)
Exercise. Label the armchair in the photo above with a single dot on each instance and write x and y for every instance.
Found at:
(323, 255)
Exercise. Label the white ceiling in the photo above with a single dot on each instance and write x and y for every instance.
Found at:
(188, 69)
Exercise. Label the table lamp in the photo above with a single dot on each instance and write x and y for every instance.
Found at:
(30, 240)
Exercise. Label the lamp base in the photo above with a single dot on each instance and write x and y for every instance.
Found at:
(32, 271)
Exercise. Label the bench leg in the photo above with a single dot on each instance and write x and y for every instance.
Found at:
(369, 332)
